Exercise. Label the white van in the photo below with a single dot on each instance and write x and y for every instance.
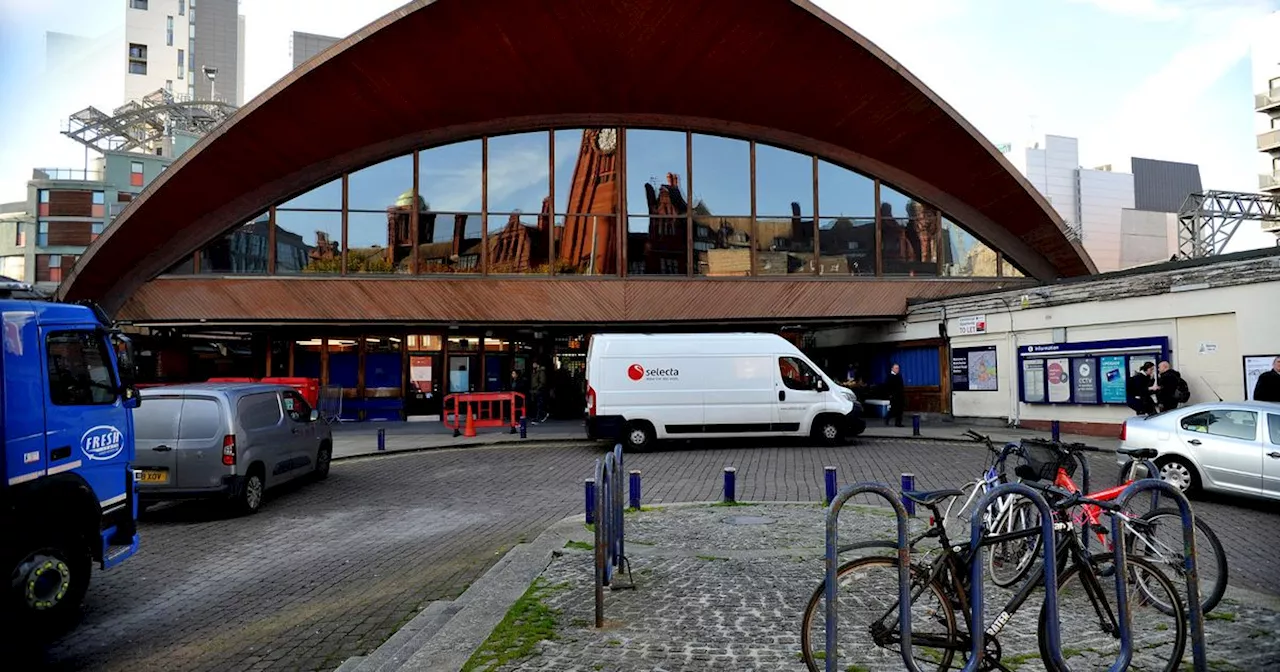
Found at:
(645, 387)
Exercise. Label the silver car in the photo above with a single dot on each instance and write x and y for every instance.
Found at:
(232, 440)
(1231, 447)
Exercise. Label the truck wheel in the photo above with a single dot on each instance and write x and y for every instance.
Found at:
(251, 492)
(828, 430)
(637, 436)
(48, 575)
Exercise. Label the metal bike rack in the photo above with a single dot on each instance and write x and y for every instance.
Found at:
(608, 525)
(904, 569)
(1194, 605)
(1050, 551)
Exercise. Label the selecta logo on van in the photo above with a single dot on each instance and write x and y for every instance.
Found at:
(637, 373)
(103, 442)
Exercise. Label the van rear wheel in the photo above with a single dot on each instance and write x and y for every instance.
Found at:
(637, 436)
(828, 430)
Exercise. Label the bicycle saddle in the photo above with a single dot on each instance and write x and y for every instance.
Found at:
(931, 497)
(1139, 453)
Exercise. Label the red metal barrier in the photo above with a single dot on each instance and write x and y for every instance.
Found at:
(309, 388)
(490, 409)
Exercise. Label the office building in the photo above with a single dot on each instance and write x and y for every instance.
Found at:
(172, 44)
(1266, 102)
(305, 45)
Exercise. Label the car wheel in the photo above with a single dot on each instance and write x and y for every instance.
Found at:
(828, 430)
(324, 456)
(251, 493)
(638, 436)
(1179, 473)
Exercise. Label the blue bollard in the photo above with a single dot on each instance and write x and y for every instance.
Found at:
(591, 501)
(634, 490)
(524, 426)
(382, 439)
(915, 425)
(730, 473)
(909, 484)
(829, 477)
(1056, 428)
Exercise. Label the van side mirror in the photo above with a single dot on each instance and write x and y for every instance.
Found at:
(131, 396)
(821, 385)
(315, 415)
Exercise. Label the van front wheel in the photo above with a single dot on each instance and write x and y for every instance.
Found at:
(638, 436)
(828, 430)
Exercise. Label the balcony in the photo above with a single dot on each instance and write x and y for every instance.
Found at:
(1269, 182)
(1267, 102)
(75, 174)
(1269, 141)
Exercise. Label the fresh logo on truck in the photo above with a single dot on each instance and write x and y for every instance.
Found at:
(637, 373)
(103, 442)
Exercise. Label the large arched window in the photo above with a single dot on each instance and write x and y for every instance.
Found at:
(604, 201)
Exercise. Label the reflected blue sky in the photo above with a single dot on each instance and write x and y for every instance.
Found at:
(650, 156)
(782, 177)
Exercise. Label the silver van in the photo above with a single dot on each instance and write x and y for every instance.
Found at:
(231, 440)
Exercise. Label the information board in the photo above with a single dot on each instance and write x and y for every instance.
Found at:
(974, 370)
(1084, 380)
(1033, 381)
(1059, 379)
(1114, 375)
(1255, 366)
(1084, 373)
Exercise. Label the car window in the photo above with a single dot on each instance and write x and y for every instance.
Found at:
(259, 411)
(201, 419)
(79, 369)
(1273, 421)
(1234, 424)
(297, 407)
(157, 420)
(796, 374)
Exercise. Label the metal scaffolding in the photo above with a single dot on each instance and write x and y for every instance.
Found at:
(139, 124)
(1208, 220)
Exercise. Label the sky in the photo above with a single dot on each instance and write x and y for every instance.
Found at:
(1162, 79)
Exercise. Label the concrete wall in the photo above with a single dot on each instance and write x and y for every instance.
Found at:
(1147, 237)
(218, 45)
(1103, 195)
(307, 45)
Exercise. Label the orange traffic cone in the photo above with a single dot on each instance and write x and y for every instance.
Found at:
(470, 430)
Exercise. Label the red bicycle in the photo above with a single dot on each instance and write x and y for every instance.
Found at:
(1056, 462)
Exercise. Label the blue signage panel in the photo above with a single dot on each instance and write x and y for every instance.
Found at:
(1089, 372)
(1114, 374)
(1084, 380)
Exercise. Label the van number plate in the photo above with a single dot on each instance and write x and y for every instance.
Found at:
(154, 476)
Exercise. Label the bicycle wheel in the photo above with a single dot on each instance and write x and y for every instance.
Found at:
(1160, 542)
(868, 602)
(1008, 562)
(1159, 637)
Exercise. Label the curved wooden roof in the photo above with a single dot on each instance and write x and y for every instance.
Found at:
(438, 71)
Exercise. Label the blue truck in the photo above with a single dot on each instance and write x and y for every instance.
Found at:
(68, 493)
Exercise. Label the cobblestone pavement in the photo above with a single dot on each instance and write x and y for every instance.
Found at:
(722, 588)
(329, 570)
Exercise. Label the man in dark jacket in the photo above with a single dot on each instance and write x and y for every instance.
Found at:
(1138, 390)
(1169, 381)
(1268, 386)
(896, 391)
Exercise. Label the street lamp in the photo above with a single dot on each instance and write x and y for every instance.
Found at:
(211, 71)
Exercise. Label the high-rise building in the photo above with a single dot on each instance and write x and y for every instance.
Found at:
(1266, 101)
(307, 45)
(1123, 219)
(184, 47)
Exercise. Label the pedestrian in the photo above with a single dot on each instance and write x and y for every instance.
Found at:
(1268, 386)
(897, 394)
(1138, 389)
(1173, 389)
(538, 389)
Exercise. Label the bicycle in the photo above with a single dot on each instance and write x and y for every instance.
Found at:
(1141, 531)
(940, 588)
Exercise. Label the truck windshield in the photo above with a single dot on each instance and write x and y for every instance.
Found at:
(79, 369)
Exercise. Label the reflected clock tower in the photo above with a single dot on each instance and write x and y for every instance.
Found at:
(589, 242)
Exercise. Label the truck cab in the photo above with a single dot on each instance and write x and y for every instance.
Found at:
(67, 488)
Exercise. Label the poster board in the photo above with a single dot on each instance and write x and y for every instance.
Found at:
(1254, 366)
(1092, 372)
(974, 370)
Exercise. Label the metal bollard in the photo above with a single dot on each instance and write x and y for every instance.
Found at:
(382, 439)
(524, 426)
(915, 425)
(909, 484)
(591, 501)
(829, 478)
(1056, 428)
(730, 473)
(633, 490)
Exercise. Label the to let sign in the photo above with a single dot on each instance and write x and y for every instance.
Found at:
(975, 324)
